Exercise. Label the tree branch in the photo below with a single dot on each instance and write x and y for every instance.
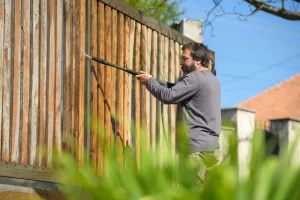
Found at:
(289, 15)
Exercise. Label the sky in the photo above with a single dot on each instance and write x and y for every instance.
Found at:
(251, 56)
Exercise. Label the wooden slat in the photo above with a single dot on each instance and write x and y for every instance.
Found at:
(127, 85)
(16, 86)
(68, 144)
(1, 63)
(81, 69)
(73, 10)
(143, 99)
(94, 76)
(58, 76)
(120, 88)
(160, 128)
(100, 86)
(6, 131)
(137, 93)
(154, 58)
(35, 83)
(26, 83)
(165, 112)
(107, 84)
(42, 83)
(172, 107)
(114, 44)
(148, 95)
(51, 83)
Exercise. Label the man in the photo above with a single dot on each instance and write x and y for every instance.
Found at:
(198, 93)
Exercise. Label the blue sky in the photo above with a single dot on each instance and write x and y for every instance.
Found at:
(252, 55)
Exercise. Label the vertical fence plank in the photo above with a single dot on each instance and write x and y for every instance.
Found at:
(16, 84)
(73, 10)
(154, 55)
(148, 95)
(6, 131)
(94, 77)
(113, 74)
(107, 84)
(143, 99)
(127, 86)
(100, 88)
(81, 76)
(120, 89)
(26, 83)
(51, 79)
(165, 112)
(137, 93)
(58, 77)
(172, 107)
(130, 78)
(42, 83)
(160, 127)
(68, 143)
(35, 83)
(2, 12)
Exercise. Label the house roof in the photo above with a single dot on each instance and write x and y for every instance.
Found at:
(279, 101)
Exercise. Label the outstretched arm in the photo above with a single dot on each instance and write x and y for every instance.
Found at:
(183, 90)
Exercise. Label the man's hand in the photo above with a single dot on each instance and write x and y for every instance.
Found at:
(143, 77)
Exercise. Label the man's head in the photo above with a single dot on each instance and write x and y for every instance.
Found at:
(194, 57)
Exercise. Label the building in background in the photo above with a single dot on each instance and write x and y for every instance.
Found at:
(281, 101)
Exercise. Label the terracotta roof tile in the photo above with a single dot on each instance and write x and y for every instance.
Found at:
(279, 101)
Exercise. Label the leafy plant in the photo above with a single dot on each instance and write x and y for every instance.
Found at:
(270, 177)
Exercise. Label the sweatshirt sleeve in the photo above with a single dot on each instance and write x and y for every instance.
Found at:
(183, 90)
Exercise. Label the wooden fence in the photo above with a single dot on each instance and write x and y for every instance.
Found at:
(53, 98)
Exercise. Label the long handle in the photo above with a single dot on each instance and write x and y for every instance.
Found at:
(99, 60)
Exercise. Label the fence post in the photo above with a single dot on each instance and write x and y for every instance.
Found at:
(244, 121)
(288, 132)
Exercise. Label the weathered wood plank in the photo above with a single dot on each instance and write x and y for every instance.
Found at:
(148, 95)
(154, 58)
(130, 91)
(159, 106)
(114, 44)
(6, 131)
(51, 79)
(172, 107)
(165, 112)
(68, 139)
(35, 83)
(2, 11)
(137, 93)
(127, 85)
(100, 87)
(15, 144)
(81, 70)
(143, 90)
(120, 89)
(26, 83)
(107, 85)
(43, 83)
(94, 76)
(58, 76)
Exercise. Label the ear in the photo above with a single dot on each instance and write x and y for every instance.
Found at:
(198, 62)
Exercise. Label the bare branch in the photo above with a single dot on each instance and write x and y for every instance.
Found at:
(274, 10)
(282, 4)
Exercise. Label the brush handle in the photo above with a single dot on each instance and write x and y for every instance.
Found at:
(99, 60)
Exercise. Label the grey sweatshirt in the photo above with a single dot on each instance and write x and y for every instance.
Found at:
(199, 96)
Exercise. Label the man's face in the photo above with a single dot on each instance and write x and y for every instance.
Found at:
(186, 61)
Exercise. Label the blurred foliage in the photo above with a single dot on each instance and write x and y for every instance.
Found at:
(165, 11)
(161, 175)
